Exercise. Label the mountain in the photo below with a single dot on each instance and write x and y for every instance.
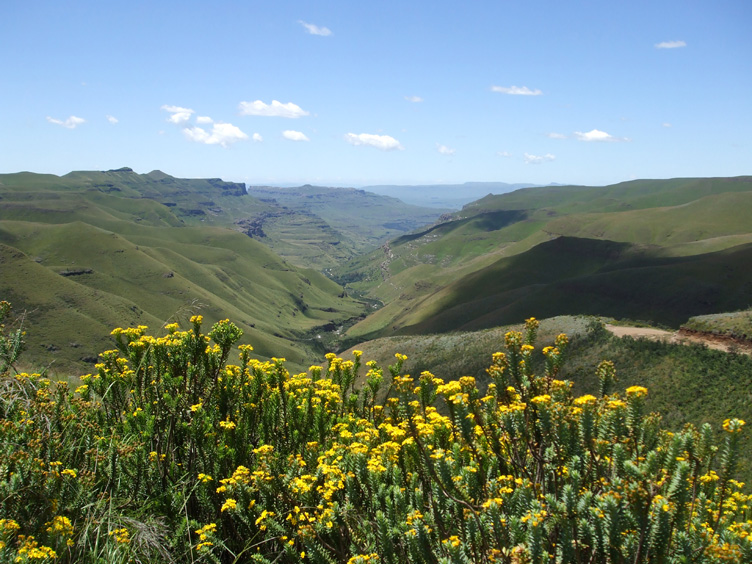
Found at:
(364, 219)
(89, 251)
(452, 196)
(661, 250)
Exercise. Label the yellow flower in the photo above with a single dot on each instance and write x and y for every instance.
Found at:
(197, 407)
(733, 425)
(60, 525)
(121, 535)
(637, 391)
(229, 504)
(544, 399)
(585, 400)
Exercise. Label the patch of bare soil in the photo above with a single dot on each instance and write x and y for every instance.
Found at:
(684, 337)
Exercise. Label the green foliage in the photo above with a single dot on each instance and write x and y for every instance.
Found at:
(169, 453)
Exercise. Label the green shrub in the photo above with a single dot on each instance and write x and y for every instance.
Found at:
(168, 453)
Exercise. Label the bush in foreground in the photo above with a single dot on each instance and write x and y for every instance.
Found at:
(168, 453)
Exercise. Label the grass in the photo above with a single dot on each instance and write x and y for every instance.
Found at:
(464, 273)
(571, 276)
(127, 259)
(737, 324)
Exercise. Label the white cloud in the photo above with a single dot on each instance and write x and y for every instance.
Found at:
(315, 30)
(294, 135)
(257, 138)
(444, 150)
(538, 159)
(415, 99)
(204, 119)
(71, 123)
(223, 134)
(516, 90)
(670, 44)
(666, 124)
(275, 109)
(554, 135)
(383, 142)
(597, 135)
(112, 119)
(505, 154)
(178, 115)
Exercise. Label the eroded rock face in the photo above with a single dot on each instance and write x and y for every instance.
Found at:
(252, 227)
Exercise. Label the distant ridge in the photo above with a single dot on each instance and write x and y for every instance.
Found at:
(452, 196)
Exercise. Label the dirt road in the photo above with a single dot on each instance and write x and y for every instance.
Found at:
(682, 337)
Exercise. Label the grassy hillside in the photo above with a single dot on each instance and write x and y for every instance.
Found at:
(737, 324)
(157, 198)
(586, 276)
(419, 277)
(91, 251)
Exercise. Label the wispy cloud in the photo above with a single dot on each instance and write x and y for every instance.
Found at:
(178, 115)
(597, 135)
(257, 138)
(444, 150)
(294, 135)
(670, 44)
(204, 119)
(538, 159)
(112, 119)
(516, 90)
(415, 99)
(554, 135)
(275, 109)
(383, 142)
(315, 30)
(223, 134)
(666, 124)
(71, 123)
(505, 154)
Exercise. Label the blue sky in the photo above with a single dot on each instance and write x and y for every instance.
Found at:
(357, 93)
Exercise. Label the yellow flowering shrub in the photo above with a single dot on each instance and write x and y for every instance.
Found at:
(167, 453)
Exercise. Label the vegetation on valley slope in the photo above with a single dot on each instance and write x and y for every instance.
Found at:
(169, 453)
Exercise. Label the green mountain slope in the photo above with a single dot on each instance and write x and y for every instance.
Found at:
(87, 257)
(586, 276)
(157, 198)
(665, 218)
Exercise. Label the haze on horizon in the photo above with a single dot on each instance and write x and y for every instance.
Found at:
(342, 93)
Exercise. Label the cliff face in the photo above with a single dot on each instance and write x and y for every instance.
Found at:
(228, 188)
